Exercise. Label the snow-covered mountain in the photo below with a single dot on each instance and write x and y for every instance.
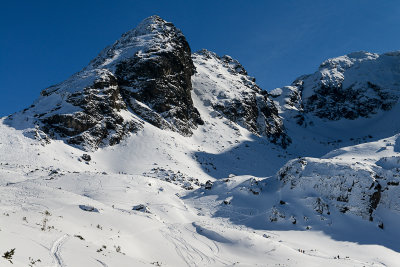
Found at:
(154, 155)
(144, 76)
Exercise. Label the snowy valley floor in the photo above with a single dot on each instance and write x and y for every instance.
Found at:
(49, 218)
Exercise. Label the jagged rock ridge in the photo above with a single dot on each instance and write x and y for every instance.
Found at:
(223, 84)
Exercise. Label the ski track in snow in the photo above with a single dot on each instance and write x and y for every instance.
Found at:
(191, 255)
(56, 250)
(102, 263)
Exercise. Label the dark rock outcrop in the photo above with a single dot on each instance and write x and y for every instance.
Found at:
(161, 79)
(98, 119)
(357, 100)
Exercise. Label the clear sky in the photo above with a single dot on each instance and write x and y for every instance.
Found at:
(44, 42)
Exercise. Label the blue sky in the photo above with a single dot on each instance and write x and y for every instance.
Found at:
(44, 42)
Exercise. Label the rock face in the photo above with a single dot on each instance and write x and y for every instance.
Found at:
(348, 87)
(97, 115)
(160, 77)
(145, 76)
(223, 84)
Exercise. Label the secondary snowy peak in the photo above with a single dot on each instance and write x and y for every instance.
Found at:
(356, 85)
(222, 84)
(145, 76)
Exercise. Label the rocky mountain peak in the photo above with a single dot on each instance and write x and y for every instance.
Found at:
(152, 35)
(145, 76)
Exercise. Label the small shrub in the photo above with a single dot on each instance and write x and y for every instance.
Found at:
(80, 237)
(33, 262)
(9, 254)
